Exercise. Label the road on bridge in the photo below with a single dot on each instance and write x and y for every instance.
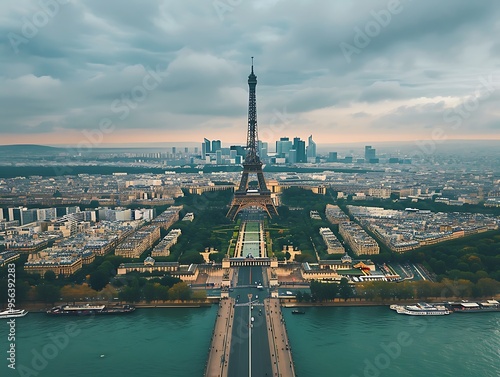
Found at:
(258, 351)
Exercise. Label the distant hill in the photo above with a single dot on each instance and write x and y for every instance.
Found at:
(27, 148)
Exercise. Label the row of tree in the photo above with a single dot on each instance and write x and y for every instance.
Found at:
(329, 291)
(383, 290)
(157, 292)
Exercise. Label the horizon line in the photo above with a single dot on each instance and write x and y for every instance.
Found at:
(110, 145)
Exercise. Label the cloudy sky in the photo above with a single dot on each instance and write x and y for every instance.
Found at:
(123, 71)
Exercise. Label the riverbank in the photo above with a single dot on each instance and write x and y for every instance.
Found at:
(40, 307)
(34, 307)
(290, 303)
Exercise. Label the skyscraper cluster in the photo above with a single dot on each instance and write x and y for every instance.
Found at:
(287, 151)
(290, 151)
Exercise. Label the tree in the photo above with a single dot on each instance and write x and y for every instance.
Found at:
(107, 267)
(404, 290)
(49, 276)
(98, 280)
(169, 281)
(423, 289)
(279, 255)
(440, 267)
(384, 290)
(324, 291)
(345, 289)
(180, 291)
(162, 292)
(33, 279)
(115, 260)
(130, 294)
(488, 287)
(367, 290)
(47, 293)
(195, 258)
(216, 257)
(75, 292)
(199, 295)
(149, 292)
(302, 258)
(22, 291)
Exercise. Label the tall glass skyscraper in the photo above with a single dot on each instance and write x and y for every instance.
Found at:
(311, 147)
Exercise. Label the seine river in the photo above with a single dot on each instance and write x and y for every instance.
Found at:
(344, 342)
(149, 342)
(376, 341)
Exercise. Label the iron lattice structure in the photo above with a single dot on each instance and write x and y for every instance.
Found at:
(245, 196)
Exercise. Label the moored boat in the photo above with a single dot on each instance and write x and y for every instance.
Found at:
(474, 307)
(13, 313)
(87, 309)
(422, 308)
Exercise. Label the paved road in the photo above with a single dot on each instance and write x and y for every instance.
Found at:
(239, 354)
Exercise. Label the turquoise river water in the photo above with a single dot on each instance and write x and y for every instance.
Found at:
(340, 341)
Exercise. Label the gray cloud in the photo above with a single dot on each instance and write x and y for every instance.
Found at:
(90, 54)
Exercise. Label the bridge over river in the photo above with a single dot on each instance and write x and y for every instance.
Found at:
(250, 337)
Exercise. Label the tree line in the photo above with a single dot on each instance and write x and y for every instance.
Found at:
(383, 290)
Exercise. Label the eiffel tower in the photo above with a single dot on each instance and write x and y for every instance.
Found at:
(258, 196)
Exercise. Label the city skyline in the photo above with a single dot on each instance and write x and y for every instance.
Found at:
(166, 71)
